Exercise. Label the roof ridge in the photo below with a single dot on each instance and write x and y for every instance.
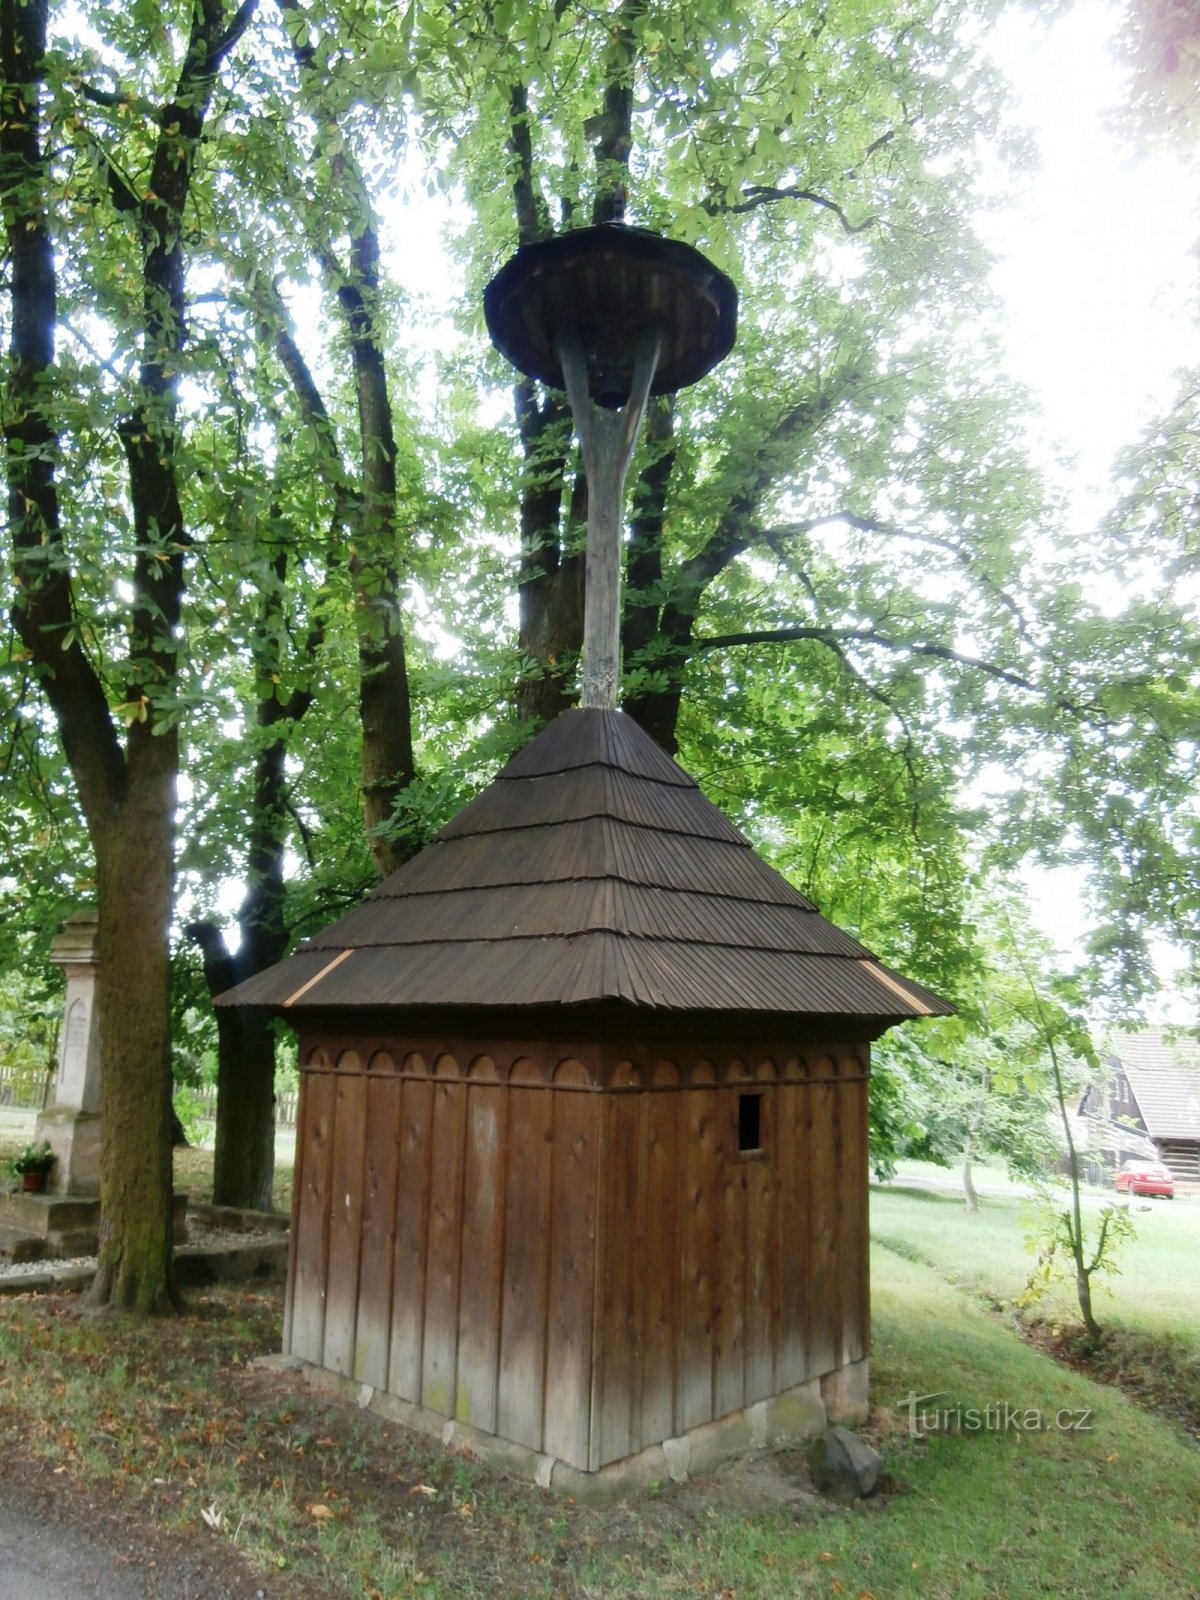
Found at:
(862, 954)
(610, 877)
(739, 841)
(505, 776)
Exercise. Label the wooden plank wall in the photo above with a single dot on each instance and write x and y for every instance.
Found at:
(727, 1277)
(585, 1273)
(445, 1238)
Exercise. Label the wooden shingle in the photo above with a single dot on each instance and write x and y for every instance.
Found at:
(592, 870)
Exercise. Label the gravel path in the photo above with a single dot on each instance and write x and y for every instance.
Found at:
(57, 1541)
(38, 1563)
(201, 1236)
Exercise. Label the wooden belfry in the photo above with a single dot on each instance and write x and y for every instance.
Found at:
(582, 1143)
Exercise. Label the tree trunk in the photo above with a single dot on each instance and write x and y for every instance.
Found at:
(384, 702)
(135, 856)
(128, 796)
(244, 1162)
(1083, 1276)
(969, 1196)
(1083, 1285)
(384, 706)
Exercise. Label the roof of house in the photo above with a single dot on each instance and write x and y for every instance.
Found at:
(1164, 1074)
(591, 870)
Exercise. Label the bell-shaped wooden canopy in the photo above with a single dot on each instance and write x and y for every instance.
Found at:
(610, 287)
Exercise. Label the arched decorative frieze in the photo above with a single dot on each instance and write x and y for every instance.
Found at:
(414, 1065)
(317, 1059)
(764, 1071)
(446, 1066)
(525, 1070)
(736, 1070)
(349, 1060)
(794, 1069)
(571, 1074)
(483, 1069)
(666, 1074)
(626, 1075)
(381, 1061)
(703, 1071)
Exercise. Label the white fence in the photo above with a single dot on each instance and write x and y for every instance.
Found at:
(285, 1105)
(23, 1089)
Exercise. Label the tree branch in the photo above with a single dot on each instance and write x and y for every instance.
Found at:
(242, 18)
(220, 972)
(533, 218)
(118, 99)
(149, 434)
(44, 607)
(833, 636)
(736, 531)
(790, 530)
(765, 194)
(613, 128)
(385, 710)
(273, 326)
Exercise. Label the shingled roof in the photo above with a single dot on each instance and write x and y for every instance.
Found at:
(591, 870)
(1164, 1074)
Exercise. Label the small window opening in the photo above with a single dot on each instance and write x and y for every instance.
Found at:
(749, 1122)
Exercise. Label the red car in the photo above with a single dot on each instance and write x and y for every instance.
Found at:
(1145, 1176)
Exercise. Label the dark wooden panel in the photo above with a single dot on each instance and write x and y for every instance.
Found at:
(439, 1362)
(794, 1110)
(663, 1189)
(412, 1209)
(826, 1284)
(572, 1275)
(618, 1381)
(482, 1255)
(698, 1257)
(763, 1271)
(381, 1168)
(854, 1219)
(345, 1220)
(312, 1219)
(302, 1102)
(526, 1264)
(729, 1311)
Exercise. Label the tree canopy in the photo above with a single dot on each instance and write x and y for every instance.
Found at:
(295, 560)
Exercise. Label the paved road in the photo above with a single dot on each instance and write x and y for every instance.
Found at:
(41, 1561)
(60, 1542)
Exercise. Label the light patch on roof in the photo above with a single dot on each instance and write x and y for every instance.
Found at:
(313, 981)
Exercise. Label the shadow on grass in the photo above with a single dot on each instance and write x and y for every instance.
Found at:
(919, 1192)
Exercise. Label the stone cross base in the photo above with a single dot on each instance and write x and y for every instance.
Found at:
(74, 1136)
(71, 1124)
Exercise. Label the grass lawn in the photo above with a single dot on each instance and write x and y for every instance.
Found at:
(170, 1416)
(193, 1166)
(194, 1171)
(169, 1420)
(1156, 1291)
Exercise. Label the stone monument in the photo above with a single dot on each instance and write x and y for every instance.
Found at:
(65, 1221)
(71, 1122)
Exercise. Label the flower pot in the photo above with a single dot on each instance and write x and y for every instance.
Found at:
(33, 1182)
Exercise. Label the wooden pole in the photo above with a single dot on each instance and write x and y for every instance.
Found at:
(607, 439)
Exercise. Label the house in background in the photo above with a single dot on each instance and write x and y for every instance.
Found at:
(1152, 1093)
